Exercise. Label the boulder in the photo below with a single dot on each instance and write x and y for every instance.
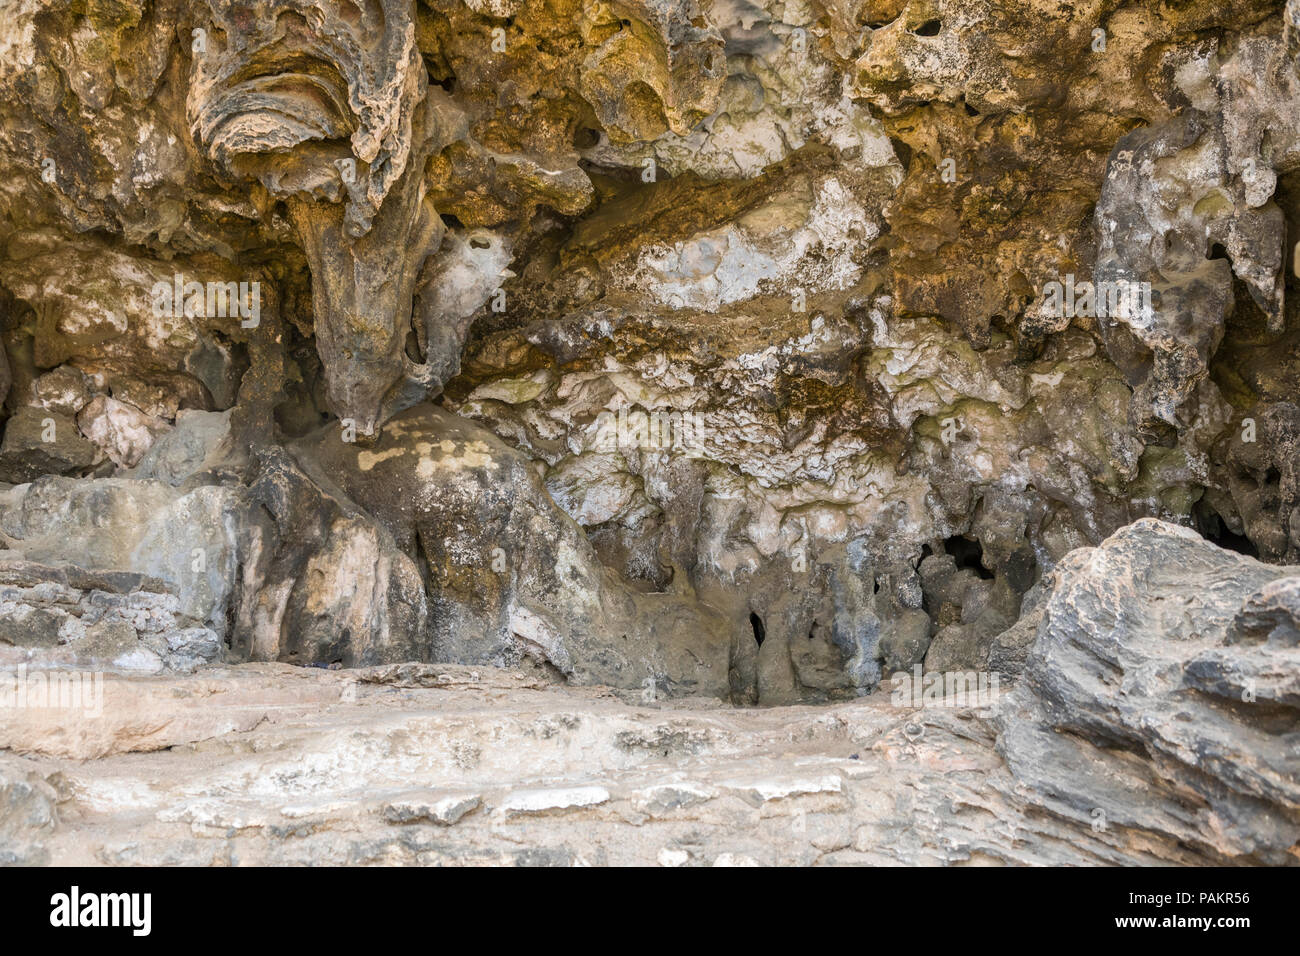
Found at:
(39, 442)
(1161, 696)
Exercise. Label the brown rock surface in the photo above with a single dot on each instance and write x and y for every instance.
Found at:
(740, 352)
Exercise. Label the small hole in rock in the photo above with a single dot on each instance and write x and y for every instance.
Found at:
(413, 347)
(903, 152)
(929, 28)
(968, 553)
(1214, 529)
(756, 623)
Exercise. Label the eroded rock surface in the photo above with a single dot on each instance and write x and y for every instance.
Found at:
(1160, 694)
(752, 352)
(1153, 725)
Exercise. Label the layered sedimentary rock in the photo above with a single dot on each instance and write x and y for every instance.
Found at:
(1160, 696)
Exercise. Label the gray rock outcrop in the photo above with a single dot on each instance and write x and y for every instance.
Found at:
(1161, 696)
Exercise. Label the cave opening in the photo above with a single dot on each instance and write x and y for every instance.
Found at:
(967, 553)
(1210, 526)
(760, 632)
(930, 28)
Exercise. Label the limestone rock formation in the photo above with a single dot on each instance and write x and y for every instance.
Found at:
(1160, 695)
(1155, 725)
(757, 352)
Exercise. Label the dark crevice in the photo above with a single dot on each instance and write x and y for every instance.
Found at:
(930, 28)
(968, 553)
(756, 623)
(903, 152)
(926, 551)
(1210, 526)
(412, 349)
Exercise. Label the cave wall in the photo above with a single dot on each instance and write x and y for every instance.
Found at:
(726, 348)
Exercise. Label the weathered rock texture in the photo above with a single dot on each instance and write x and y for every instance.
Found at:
(1162, 694)
(1154, 725)
(753, 350)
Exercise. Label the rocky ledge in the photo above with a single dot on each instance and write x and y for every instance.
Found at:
(1154, 724)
